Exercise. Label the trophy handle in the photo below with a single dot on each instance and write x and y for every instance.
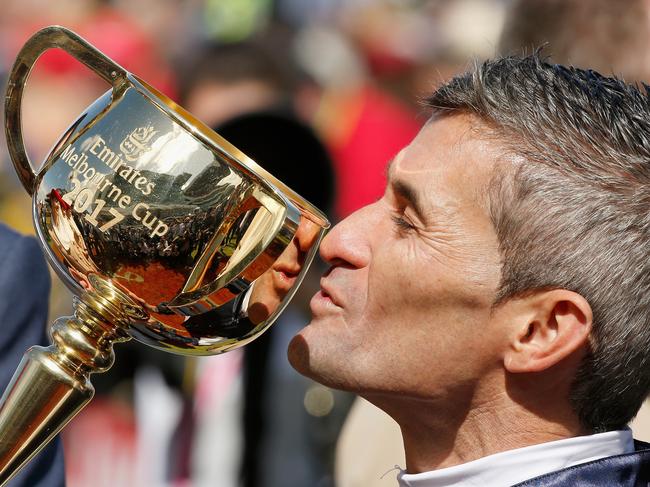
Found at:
(47, 38)
(265, 239)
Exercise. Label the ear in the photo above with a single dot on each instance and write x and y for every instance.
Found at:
(548, 326)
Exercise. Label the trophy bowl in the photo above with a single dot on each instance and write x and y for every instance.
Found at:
(163, 231)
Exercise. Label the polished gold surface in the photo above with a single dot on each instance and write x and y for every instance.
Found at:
(164, 231)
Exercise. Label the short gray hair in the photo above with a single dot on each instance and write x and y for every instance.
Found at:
(574, 213)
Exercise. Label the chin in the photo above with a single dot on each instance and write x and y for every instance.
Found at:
(324, 365)
(303, 355)
(298, 354)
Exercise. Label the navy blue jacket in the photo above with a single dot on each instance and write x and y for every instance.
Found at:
(629, 470)
(24, 291)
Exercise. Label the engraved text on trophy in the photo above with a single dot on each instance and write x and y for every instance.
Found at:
(89, 182)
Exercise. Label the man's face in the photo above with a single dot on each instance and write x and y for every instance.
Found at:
(406, 305)
(271, 287)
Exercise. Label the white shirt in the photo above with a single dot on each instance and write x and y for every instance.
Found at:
(514, 466)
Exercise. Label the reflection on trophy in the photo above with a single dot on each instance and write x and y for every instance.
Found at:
(163, 231)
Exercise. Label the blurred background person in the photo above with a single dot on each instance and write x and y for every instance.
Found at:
(222, 81)
(608, 37)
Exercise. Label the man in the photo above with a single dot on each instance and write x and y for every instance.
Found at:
(495, 301)
(598, 34)
(24, 287)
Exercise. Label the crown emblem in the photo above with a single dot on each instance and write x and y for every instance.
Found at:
(137, 143)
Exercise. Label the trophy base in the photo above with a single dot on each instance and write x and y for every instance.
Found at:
(51, 385)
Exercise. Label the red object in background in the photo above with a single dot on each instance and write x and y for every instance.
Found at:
(60, 199)
(115, 35)
(382, 128)
(100, 446)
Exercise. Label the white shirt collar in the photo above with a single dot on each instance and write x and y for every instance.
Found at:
(514, 466)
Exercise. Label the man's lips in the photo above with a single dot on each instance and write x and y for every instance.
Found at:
(328, 292)
(285, 277)
(324, 302)
(287, 269)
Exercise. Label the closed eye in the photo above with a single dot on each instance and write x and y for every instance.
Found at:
(402, 223)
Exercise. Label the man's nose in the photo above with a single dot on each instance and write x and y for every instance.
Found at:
(306, 234)
(348, 243)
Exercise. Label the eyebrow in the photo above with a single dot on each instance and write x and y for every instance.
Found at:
(407, 192)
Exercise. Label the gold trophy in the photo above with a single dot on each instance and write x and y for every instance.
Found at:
(163, 230)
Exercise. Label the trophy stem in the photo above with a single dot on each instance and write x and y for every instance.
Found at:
(51, 385)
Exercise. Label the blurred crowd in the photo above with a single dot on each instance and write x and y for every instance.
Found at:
(323, 93)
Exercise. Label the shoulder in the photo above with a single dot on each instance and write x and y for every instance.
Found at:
(24, 275)
(14, 244)
(8, 237)
(20, 253)
(627, 470)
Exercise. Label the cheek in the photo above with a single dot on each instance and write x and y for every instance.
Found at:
(398, 285)
(412, 297)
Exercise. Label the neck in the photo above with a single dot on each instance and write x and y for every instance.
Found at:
(436, 435)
